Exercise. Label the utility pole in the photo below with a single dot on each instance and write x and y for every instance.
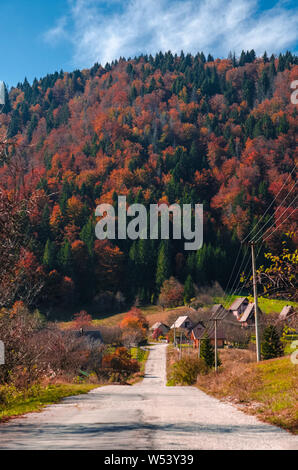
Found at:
(175, 334)
(255, 301)
(215, 345)
(180, 344)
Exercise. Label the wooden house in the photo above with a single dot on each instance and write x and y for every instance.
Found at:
(286, 312)
(248, 316)
(238, 307)
(161, 327)
(198, 332)
(218, 311)
(183, 322)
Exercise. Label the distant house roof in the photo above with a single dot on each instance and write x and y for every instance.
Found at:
(238, 302)
(287, 310)
(180, 321)
(94, 335)
(247, 312)
(218, 311)
(159, 324)
(199, 332)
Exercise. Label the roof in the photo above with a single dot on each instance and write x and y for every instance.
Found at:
(238, 302)
(250, 309)
(218, 311)
(180, 321)
(94, 335)
(197, 330)
(211, 333)
(157, 325)
(286, 311)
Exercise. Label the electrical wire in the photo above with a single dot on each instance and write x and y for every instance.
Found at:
(270, 205)
(267, 230)
(280, 205)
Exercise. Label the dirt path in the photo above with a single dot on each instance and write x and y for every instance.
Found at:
(148, 415)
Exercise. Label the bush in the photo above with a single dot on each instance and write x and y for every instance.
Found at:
(186, 370)
(119, 365)
(271, 345)
(207, 352)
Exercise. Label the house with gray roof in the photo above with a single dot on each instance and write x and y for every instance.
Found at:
(238, 307)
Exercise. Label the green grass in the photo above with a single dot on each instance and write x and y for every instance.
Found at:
(266, 305)
(14, 403)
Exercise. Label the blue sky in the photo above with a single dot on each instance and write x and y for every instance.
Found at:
(40, 37)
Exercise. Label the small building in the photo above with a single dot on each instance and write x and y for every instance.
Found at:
(286, 312)
(248, 316)
(196, 333)
(93, 335)
(183, 322)
(218, 311)
(199, 331)
(159, 326)
(239, 306)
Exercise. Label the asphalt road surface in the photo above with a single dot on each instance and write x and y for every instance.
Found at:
(145, 416)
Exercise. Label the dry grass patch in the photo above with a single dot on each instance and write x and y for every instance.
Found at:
(268, 389)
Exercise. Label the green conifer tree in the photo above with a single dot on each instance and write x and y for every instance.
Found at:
(271, 346)
(189, 290)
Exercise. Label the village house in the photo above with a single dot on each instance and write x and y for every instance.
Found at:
(248, 316)
(93, 335)
(238, 307)
(199, 331)
(183, 322)
(161, 327)
(286, 312)
(218, 311)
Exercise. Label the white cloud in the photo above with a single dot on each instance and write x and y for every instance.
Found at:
(102, 31)
(54, 35)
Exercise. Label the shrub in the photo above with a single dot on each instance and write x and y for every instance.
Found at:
(207, 352)
(271, 346)
(186, 370)
(119, 364)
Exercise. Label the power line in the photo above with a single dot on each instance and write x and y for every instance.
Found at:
(267, 230)
(280, 225)
(270, 205)
(280, 205)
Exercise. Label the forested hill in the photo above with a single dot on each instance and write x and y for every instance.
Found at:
(157, 129)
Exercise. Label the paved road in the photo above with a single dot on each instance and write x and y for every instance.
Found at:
(145, 416)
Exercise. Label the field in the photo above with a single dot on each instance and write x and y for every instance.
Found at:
(266, 305)
(154, 313)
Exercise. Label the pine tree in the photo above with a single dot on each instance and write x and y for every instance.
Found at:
(163, 271)
(87, 236)
(7, 106)
(207, 350)
(189, 290)
(49, 255)
(65, 258)
(271, 346)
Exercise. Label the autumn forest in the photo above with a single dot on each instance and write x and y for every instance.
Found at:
(163, 129)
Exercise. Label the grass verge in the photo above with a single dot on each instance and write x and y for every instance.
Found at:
(14, 403)
(268, 389)
(141, 355)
